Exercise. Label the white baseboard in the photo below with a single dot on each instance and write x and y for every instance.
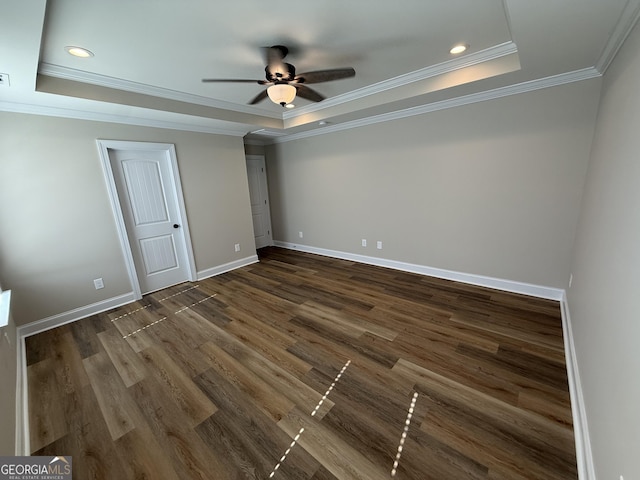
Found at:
(75, 314)
(584, 457)
(539, 291)
(227, 267)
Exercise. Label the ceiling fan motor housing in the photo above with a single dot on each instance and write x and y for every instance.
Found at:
(285, 72)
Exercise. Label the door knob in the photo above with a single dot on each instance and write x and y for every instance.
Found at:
(175, 225)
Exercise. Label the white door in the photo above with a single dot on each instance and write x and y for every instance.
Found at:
(259, 195)
(150, 200)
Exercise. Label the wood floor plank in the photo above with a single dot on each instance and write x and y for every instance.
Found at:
(46, 409)
(278, 356)
(189, 456)
(87, 442)
(337, 456)
(490, 431)
(179, 388)
(114, 402)
(265, 398)
(142, 457)
(246, 436)
(129, 366)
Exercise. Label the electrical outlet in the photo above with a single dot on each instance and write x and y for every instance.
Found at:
(300, 234)
(98, 283)
(4, 79)
(379, 245)
(364, 242)
(237, 247)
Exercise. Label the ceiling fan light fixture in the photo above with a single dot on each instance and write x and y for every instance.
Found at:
(281, 93)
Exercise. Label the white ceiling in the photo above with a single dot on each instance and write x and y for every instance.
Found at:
(150, 56)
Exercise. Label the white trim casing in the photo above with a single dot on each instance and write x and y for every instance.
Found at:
(5, 302)
(539, 291)
(23, 444)
(170, 150)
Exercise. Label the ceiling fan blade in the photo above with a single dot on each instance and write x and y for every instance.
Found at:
(325, 75)
(308, 93)
(258, 98)
(232, 80)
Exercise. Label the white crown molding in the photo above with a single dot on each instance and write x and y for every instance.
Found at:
(547, 82)
(50, 111)
(561, 79)
(538, 291)
(624, 25)
(66, 73)
(488, 54)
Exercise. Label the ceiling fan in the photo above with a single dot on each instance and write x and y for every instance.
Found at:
(283, 83)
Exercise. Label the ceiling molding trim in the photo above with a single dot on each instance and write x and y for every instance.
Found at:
(112, 118)
(556, 80)
(255, 142)
(270, 133)
(488, 54)
(66, 73)
(625, 24)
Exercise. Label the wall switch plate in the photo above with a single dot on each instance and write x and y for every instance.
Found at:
(364, 242)
(4, 79)
(379, 245)
(237, 247)
(300, 234)
(98, 283)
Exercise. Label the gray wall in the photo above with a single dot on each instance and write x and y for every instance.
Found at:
(491, 189)
(58, 230)
(604, 299)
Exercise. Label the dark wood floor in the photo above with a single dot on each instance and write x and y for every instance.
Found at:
(307, 367)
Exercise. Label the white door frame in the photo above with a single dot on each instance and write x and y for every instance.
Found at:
(170, 151)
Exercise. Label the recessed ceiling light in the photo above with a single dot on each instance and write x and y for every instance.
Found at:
(78, 52)
(289, 105)
(456, 49)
